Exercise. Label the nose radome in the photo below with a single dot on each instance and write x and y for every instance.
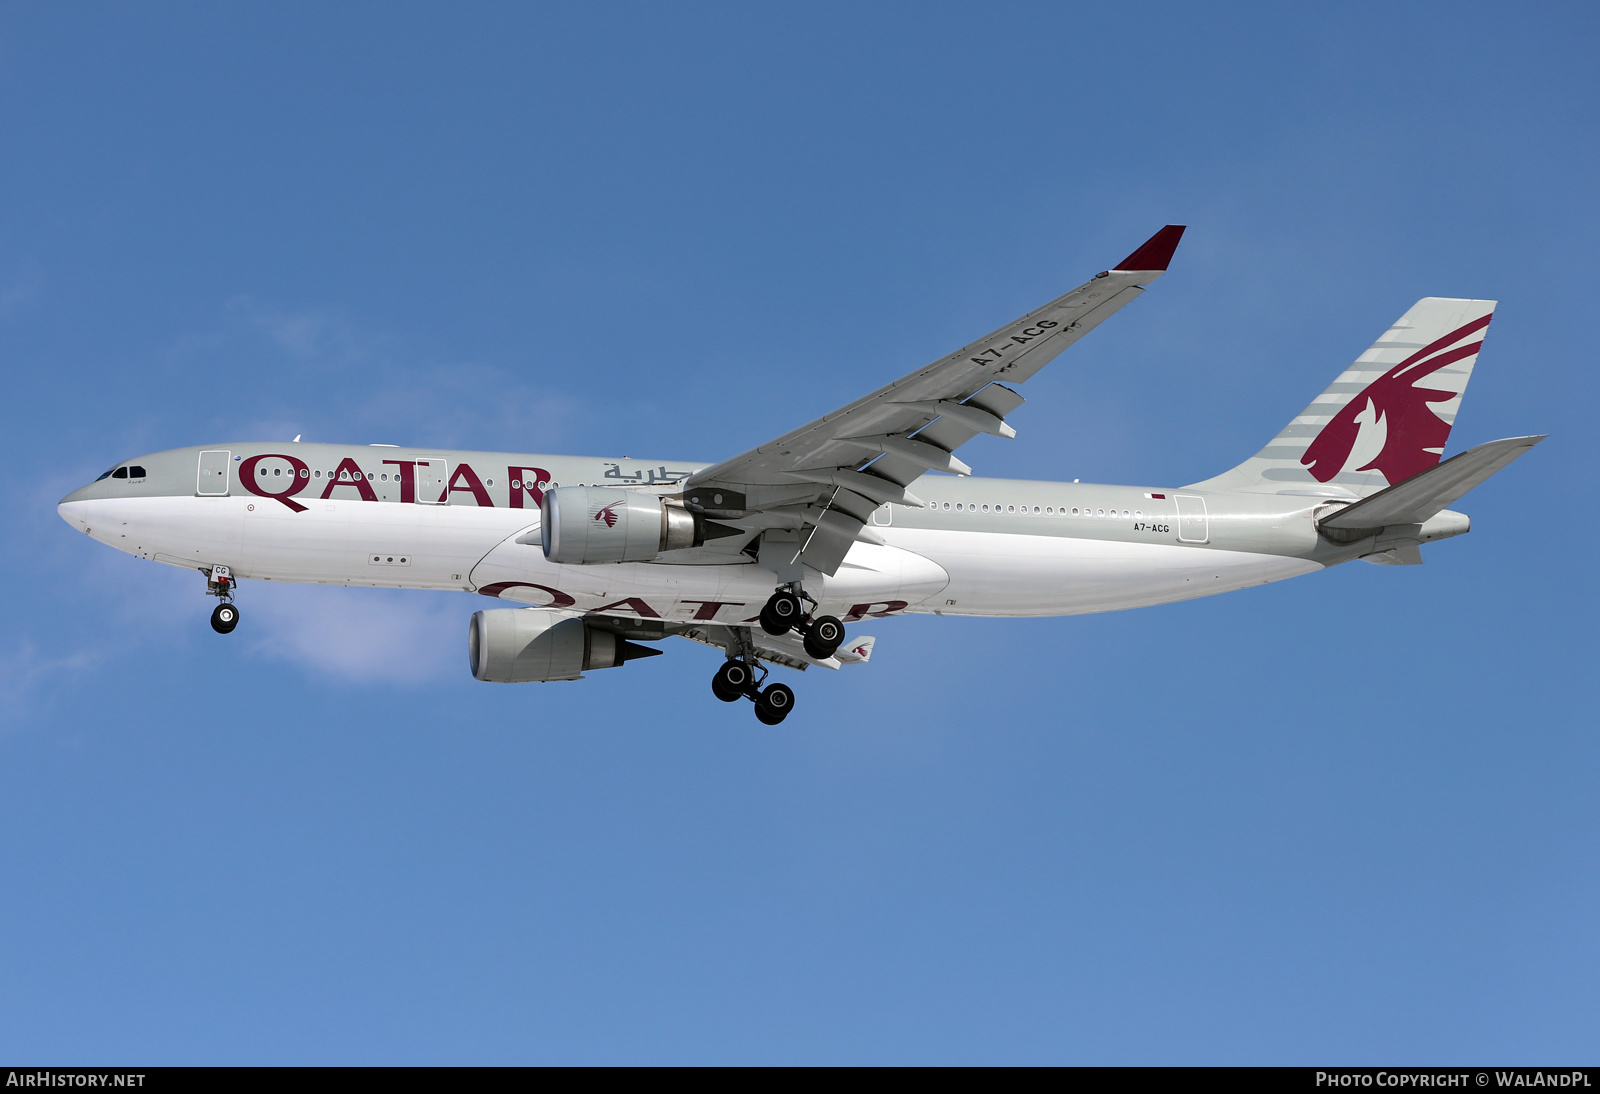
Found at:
(74, 511)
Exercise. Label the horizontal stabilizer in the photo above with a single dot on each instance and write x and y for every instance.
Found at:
(1429, 492)
(857, 651)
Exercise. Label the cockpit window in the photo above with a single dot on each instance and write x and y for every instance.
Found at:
(106, 474)
(120, 473)
(135, 472)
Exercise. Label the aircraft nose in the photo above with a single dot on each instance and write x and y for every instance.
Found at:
(76, 507)
(75, 511)
(80, 494)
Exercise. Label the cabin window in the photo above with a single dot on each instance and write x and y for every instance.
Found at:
(1124, 514)
(120, 473)
(947, 505)
(1138, 514)
(491, 482)
(1035, 510)
(1101, 512)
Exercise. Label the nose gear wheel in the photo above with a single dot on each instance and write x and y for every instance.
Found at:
(224, 618)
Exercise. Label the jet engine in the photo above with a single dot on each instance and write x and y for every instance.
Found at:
(596, 524)
(523, 645)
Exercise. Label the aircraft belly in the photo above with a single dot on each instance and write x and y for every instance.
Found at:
(872, 577)
(1020, 575)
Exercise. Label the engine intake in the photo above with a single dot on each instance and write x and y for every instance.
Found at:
(526, 645)
(581, 524)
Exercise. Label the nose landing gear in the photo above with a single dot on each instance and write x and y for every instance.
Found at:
(821, 635)
(220, 584)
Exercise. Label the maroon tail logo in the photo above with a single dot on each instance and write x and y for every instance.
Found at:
(1395, 404)
(609, 515)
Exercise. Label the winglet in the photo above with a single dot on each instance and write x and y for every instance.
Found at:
(1156, 252)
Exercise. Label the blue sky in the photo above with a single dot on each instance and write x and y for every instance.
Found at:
(1349, 818)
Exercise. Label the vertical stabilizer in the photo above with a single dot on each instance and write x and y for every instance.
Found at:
(1385, 419)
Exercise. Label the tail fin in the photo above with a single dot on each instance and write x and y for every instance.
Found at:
(1375, 426)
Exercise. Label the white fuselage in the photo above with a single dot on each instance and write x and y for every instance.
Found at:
(983, 547)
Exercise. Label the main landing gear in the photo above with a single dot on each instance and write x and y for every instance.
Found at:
(737, 679)
(220, 584)
(822, 635)
(742, 675)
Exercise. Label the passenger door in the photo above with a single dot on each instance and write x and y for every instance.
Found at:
(212, 480)
(1193, 526)
(433, 472)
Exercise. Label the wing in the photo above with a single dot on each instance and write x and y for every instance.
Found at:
(813, 489)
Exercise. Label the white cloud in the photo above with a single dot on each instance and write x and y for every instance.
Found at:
(358, 635)
(24, 671)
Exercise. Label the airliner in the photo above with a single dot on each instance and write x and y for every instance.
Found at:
(780, 555)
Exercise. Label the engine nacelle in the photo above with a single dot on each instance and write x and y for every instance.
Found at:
(523, 645)
(596, 524)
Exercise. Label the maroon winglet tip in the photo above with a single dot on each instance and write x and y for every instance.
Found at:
(1156, 252)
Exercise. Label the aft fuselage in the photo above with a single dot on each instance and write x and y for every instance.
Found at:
(413, 518)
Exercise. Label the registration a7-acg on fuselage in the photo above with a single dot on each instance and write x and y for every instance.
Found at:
(776, 556)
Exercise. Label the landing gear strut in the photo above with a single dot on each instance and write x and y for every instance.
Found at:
(220, 584)
(822, 635)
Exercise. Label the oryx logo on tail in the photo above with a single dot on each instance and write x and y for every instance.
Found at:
(1389, 427)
